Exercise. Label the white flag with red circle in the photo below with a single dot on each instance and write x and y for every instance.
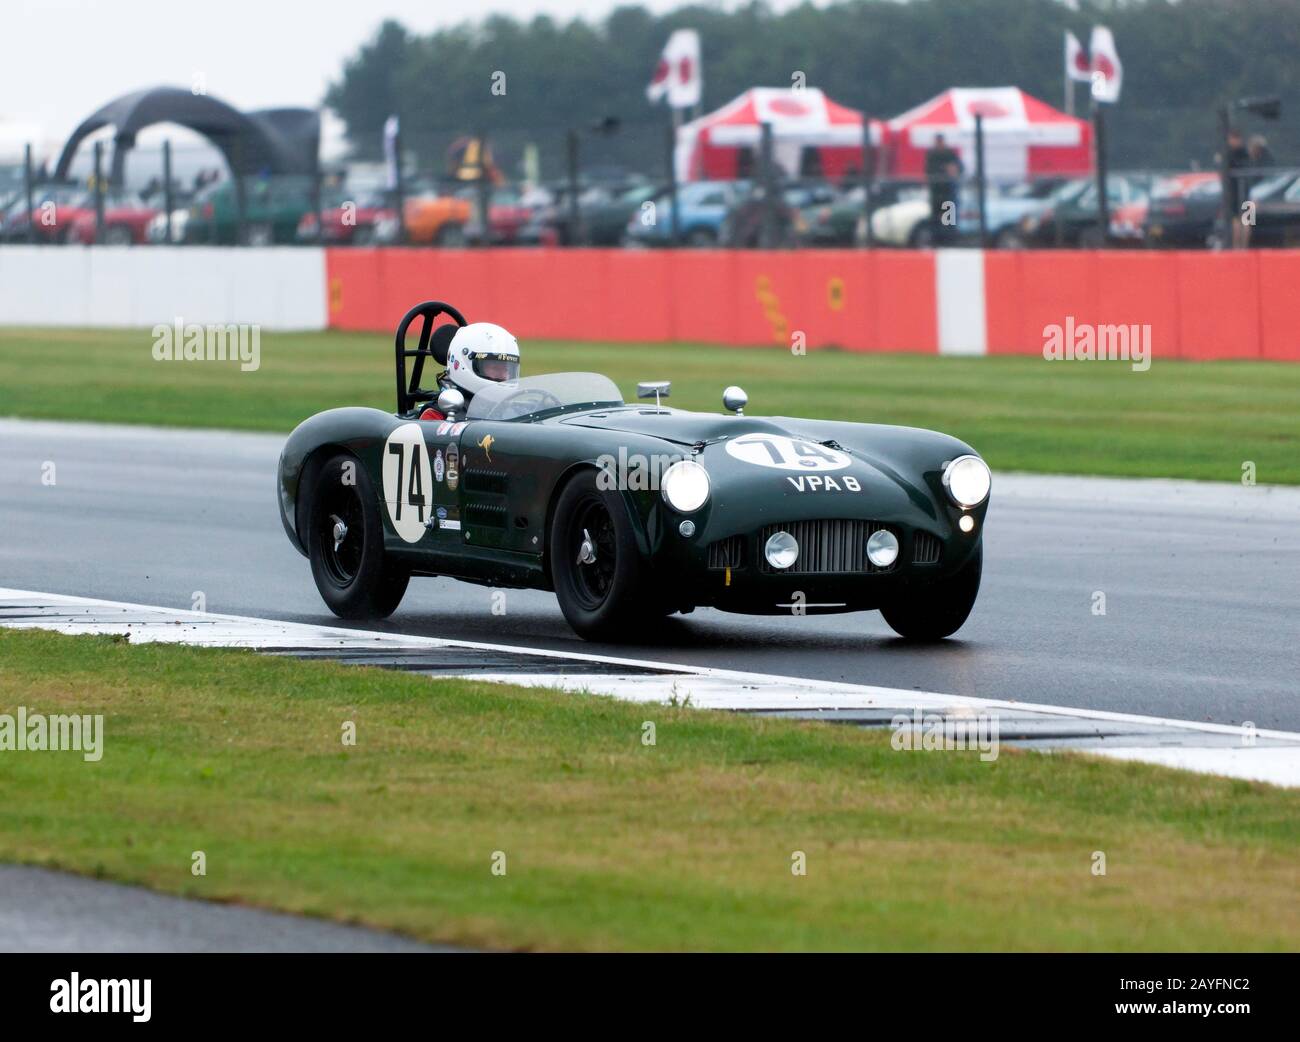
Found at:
(678, 76)
(1077, 66)
(1107, 72)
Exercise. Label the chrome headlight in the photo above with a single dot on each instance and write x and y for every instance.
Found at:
(781, 550)
(685, 486)
(967, 479)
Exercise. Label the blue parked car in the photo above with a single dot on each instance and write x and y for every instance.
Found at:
(702, 205)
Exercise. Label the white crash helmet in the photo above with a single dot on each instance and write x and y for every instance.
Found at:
(481, 354)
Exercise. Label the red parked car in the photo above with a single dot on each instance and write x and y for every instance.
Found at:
(126, 220)
(507, 213)
(344, 221)
(55, 209)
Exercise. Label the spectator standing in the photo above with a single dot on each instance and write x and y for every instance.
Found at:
(1238, 161)
(942, 170)
(1259, 157)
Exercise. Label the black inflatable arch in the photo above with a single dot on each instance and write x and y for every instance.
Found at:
(273, 141)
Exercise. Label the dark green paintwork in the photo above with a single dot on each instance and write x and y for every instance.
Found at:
(899, 470)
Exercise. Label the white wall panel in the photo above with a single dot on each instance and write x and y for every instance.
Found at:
(276, 288)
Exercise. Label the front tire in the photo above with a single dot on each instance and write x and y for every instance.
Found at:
(936, 610)
(595, 564)
(345, 543)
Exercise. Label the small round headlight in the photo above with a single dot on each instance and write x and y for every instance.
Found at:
(967, 480)
(685, 486)
(782, 550)
(882, 548)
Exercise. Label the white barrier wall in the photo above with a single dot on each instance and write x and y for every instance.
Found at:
(141, 286)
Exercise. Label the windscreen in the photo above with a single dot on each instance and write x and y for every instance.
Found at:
(536, 395)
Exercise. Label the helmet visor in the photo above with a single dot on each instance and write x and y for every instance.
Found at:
(498, 368)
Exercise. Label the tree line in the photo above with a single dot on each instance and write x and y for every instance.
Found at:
(529, 82)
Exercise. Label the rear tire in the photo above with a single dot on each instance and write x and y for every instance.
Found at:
(352, 572)
(602, 598)
(936, 610)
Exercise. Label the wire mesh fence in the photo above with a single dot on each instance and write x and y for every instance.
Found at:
(615, 183)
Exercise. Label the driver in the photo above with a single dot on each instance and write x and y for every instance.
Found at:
(475, 355)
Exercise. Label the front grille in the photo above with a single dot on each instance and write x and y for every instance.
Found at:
(825, 546)
(925, 548)
(727, 553)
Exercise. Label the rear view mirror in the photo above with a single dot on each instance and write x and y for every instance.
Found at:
(654, 389)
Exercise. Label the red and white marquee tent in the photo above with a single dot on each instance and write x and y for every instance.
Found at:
(1023, 137)
(717, 145)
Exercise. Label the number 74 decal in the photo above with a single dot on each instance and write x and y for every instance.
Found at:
(408, 481)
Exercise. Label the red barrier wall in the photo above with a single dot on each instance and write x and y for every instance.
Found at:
(1199, 305)
(864, 301)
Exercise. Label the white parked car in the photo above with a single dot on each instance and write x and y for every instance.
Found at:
(156, 232)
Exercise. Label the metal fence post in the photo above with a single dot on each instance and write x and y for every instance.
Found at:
(767, 232)
(99, 192)
(1099, 142)
(316, 204)
(674, 228)
(399, 186)
(240, 201)
(575, 212)
(484, 187)
(868, 177)
(979, 180)
(30, 189)
(167, 186)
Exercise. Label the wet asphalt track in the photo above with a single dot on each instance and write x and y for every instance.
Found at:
(45, 911)
(1202, 582)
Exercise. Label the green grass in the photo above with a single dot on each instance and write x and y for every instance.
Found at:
(611, 844)
(1180, 419)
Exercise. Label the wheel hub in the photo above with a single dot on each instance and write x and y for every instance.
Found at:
(587, 549)
(339, 531)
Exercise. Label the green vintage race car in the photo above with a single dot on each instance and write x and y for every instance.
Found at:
(630, 512)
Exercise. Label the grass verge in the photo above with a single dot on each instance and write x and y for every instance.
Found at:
(1180, 419)
(611, 844)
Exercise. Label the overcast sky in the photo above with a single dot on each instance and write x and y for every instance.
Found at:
(64, 58)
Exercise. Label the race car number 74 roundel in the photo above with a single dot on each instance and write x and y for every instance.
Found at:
(782, 453)
(408, 481)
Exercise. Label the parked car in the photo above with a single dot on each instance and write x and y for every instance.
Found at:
(156, 232)
(432, 218)
(1183, 210)
(905, 221)
(1072, 216)
(744, 224)
(1277, 211)
(346, 219)
(604, 210)
(55, 208)
(507, 215)
(702, 207)
(126, 221)
(840, 219)
(273, 206)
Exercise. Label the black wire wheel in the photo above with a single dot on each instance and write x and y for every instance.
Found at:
(596, 566)
(345, 543)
